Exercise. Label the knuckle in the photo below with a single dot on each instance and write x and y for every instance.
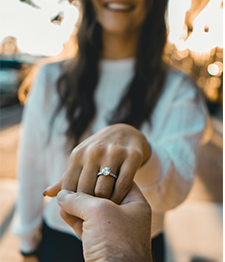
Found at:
(101, 206)
(135, 155)
(95, 152)
(115, 152)
(104, 205)
(76, 154)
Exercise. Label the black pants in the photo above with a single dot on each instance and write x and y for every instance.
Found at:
(60, 247)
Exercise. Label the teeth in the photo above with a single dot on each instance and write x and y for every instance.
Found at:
(117, 6)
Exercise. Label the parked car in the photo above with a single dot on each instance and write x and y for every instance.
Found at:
(11, 76)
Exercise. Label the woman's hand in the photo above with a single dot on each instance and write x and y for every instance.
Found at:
(120, 147)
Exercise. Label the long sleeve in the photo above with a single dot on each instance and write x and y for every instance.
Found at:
(167, 177)
(28, 218)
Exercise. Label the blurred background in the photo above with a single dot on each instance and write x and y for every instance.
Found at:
(36, 32)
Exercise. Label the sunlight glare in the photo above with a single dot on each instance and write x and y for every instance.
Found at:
(32, 27)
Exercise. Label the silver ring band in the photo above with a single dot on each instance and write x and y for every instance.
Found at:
(106, 171)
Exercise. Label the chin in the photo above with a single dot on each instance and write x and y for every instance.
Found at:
(117, 29)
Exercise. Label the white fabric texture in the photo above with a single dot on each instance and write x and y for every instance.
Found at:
(178, 123)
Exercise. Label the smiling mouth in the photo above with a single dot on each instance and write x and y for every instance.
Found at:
(118, 7)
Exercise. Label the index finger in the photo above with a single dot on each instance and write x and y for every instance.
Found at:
(67, 181)
(53, 190)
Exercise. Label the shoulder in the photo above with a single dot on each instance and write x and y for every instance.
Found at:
(180, 91)
(43, 91)
(53, 71)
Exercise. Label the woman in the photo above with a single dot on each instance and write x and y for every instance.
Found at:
(138, 119)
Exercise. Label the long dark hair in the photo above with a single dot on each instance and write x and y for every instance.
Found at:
(77, 84)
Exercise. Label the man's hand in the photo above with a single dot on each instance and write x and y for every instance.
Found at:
(109, 232)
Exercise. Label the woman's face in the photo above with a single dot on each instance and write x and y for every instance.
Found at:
(120, 17)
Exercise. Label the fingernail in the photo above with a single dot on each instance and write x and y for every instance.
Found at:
(44, 193)
(62, 194)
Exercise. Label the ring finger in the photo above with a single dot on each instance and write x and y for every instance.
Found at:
(105, 183)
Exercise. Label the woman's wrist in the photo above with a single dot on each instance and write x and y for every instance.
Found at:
(148, 152)
(146, 148)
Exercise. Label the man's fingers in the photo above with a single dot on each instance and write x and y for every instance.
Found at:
(75, 222)
(76, 204)
(53, 190)
(133, 195)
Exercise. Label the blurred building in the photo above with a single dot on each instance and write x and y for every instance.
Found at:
(9, 46)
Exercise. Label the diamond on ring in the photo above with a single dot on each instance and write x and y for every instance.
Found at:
(106, 171)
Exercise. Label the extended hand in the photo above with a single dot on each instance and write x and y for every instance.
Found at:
(109, 232)
(121, 147)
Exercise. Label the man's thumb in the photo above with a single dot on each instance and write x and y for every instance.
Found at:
(76, 204)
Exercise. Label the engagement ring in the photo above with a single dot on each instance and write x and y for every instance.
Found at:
(106, 171)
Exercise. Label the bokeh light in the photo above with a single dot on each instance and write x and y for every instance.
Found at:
(195, 43)
(213, 69)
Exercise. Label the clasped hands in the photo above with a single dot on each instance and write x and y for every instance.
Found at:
(110, 232)
(121, 147)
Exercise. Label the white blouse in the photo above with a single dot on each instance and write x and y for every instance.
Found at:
(178, 123)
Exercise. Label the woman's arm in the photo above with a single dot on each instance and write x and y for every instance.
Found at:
(167, 176)
(28, 219)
